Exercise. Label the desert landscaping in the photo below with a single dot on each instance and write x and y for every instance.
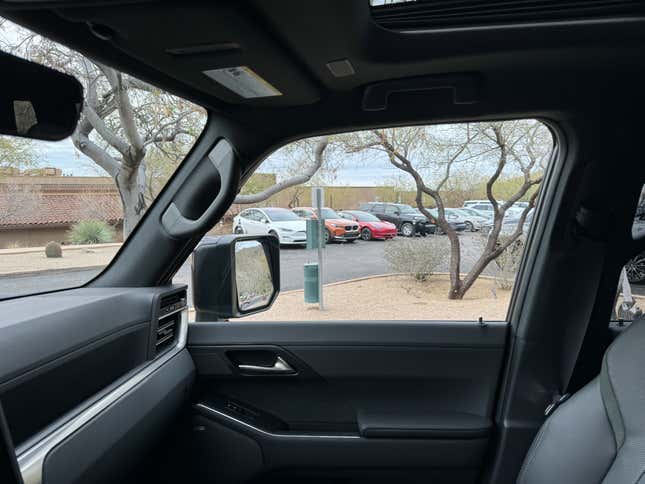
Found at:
(408, 300)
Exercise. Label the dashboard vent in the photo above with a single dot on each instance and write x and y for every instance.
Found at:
(169, 320)
(433, 14)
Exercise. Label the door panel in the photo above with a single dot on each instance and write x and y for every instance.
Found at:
(90, 378)
(405, 398)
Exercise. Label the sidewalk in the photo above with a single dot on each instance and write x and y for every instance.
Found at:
(32, 260)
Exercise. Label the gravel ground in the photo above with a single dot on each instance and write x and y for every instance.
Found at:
(342, 262)
(73, 257)
(392, 298)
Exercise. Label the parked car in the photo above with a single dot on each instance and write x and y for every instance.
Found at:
(408, 220)
(452, 218)
(336, 227)
(473, 219)
(509, 224)
(472, 203)
(286, 225)
(370, 226)
(485, 207)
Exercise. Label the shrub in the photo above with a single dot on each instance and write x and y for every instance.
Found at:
(419, 257)
(91, 232)
(508, 262)
(53, 249)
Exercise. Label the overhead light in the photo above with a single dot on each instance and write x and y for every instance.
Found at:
(341, 68)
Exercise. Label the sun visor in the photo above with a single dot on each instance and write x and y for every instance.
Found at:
(223, 52)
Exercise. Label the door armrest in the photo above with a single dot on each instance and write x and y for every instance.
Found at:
(430, 425)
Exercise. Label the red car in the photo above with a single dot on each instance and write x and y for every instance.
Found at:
(370, 226)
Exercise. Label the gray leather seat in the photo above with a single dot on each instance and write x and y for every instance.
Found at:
(598, 435)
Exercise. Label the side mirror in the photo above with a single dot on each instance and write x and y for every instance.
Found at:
(397, 212)
(37, 101)
(264, 221)
(235, 275)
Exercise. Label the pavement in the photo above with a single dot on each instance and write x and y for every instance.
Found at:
(342, 261)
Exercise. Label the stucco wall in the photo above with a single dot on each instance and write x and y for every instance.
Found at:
(39, 237)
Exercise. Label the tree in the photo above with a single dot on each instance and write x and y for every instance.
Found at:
(300, 163)
(431, 154)
(16, 154)
(122, 121)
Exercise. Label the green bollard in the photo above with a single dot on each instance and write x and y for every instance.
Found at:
(311, 282)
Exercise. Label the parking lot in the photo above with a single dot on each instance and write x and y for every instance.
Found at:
(344, 261)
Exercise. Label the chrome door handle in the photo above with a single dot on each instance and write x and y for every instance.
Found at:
(280, 366)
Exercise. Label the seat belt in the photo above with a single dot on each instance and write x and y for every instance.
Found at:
(577, 337)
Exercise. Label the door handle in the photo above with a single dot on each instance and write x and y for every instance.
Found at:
(280, 366)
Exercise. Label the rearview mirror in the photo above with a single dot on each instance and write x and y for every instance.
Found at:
(235, 275)
(36, 101)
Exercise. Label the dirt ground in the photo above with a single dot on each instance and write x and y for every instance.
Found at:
(392, 298)
(17, 261)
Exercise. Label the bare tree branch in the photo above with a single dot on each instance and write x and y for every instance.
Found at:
(96, 153)
(309, 172)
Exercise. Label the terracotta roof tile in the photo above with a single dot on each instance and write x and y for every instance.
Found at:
(57, 204)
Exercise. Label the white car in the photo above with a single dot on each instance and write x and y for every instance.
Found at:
(286, 225)
(473, 219)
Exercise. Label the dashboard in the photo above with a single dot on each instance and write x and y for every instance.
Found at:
(92, 377)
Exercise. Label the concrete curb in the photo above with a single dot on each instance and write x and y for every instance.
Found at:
(31, 250)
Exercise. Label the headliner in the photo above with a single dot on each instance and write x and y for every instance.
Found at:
(540, 69)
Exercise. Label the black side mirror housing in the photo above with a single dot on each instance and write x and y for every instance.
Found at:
(235, 275)
(37, 101)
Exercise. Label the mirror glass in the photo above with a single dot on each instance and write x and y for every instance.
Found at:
(29, 110)
(252, 275)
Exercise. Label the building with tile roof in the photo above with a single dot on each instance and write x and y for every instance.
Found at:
(35, 209)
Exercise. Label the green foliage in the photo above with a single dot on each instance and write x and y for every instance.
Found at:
(91, 232)
(16, 154)
(504, 188)
(258, 182)
(508, 262)
(419, 257)
(53, 250)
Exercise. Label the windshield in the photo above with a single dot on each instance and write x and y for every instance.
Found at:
(365, 217)
(66, 207)
(281, 214)
(329, 213)
(407, 209)
(470, 212)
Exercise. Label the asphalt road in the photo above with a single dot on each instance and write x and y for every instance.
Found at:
(342, 261)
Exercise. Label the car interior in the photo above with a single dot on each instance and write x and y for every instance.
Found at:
(111, 382)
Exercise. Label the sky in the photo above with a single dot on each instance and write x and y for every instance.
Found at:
(353, 170)
(63, 155)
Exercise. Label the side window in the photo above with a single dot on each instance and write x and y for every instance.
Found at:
(630, 294)
(387, 272)
(63, 215)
